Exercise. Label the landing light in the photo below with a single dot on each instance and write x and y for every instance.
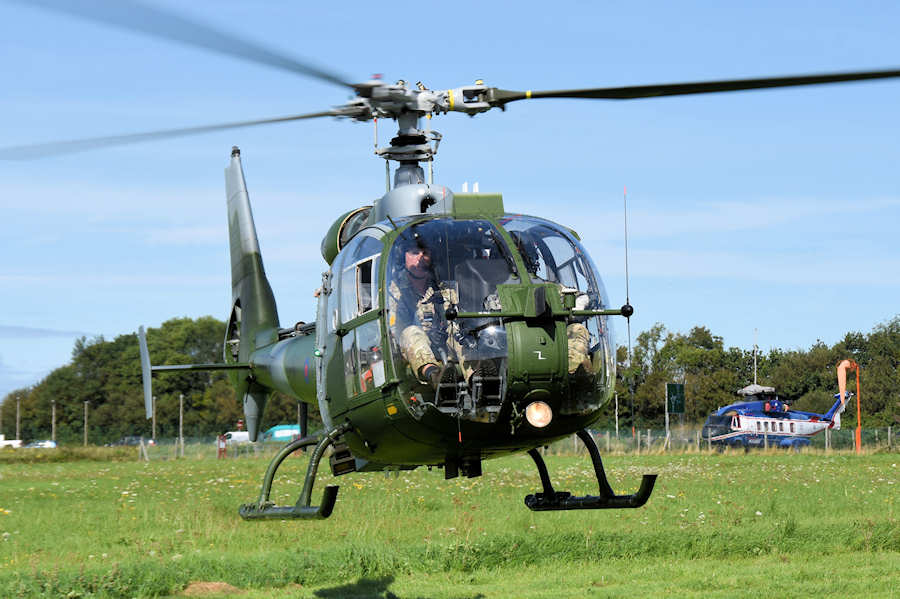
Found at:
(538, 414)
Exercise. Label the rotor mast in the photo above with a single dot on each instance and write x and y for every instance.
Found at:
(410, 147)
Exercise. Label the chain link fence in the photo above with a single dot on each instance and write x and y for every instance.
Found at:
(686, 439)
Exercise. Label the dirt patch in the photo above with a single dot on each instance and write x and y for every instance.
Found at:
(202, 589)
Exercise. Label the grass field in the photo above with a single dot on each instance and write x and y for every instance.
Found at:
(717, 525)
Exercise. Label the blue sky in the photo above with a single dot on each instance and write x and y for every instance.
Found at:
(768, 210)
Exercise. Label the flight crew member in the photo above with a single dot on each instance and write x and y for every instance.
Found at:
(417, 307)
(579, 338)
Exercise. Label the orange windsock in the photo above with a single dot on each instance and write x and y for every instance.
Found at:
(842, 368)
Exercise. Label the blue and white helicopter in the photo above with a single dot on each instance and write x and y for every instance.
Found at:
(763, 419)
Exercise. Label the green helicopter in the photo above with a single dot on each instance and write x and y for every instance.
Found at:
(448, 330)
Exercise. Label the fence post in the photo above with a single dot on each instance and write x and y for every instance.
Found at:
(889, 437)
(649, 440)
(607, 441)
(827, 438)
(766, 440)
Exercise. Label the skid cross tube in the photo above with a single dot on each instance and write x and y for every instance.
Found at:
(264, 509)
(551, 499)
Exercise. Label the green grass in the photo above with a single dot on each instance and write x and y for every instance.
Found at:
(717, 525)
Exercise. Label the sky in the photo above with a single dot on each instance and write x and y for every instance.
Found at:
(770, 213)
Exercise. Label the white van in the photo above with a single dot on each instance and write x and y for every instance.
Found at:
(237, 437)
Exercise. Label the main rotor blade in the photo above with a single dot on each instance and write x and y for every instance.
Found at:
(81, 145)
(501, 96)
(158, 23)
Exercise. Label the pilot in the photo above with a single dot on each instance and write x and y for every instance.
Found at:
(417, 306)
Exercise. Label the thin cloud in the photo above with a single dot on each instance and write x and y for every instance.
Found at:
(111, 279)
(775, 269)
(186, 235)
(18, 332)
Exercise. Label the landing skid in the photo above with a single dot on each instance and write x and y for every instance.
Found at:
(264, 509)
(551, 499)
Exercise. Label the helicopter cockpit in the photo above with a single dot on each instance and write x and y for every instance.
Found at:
(440, 265)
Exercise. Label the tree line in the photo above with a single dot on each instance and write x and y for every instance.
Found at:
(712, 374)
(107, 375)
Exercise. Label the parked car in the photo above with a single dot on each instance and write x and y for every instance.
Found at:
(11, 443)
(43, 444)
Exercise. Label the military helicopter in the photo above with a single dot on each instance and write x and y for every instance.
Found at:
(507, 344)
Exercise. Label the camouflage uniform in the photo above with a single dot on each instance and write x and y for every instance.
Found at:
(579, 351)
(418, 323)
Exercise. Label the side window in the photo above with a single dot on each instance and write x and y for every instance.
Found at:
(367, 291)
(358, 275)
(371, 364)
(350, 364)
(349, 306)
(758, 426)
(363, 364)
(358, 290)
(792, 427)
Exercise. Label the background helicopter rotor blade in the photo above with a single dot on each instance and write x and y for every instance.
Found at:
(501, 97)
(32, 151)
(161, 24)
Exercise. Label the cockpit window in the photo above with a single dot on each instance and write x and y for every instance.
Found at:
(551, 254)
(433, 266)
(359, 268)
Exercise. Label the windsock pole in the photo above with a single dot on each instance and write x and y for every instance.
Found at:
(842, 369)
(858, 414)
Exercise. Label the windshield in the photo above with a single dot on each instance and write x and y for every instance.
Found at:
(552, 254)
(432, 266)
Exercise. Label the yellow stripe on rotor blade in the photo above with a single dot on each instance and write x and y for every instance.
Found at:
(528, 95)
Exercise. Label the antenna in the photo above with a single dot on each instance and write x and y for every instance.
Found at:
(625, 210)
(627, 310)
(755, 347)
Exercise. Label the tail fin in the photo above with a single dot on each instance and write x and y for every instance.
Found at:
(146, 373)
(254, 317)
(834, 413)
